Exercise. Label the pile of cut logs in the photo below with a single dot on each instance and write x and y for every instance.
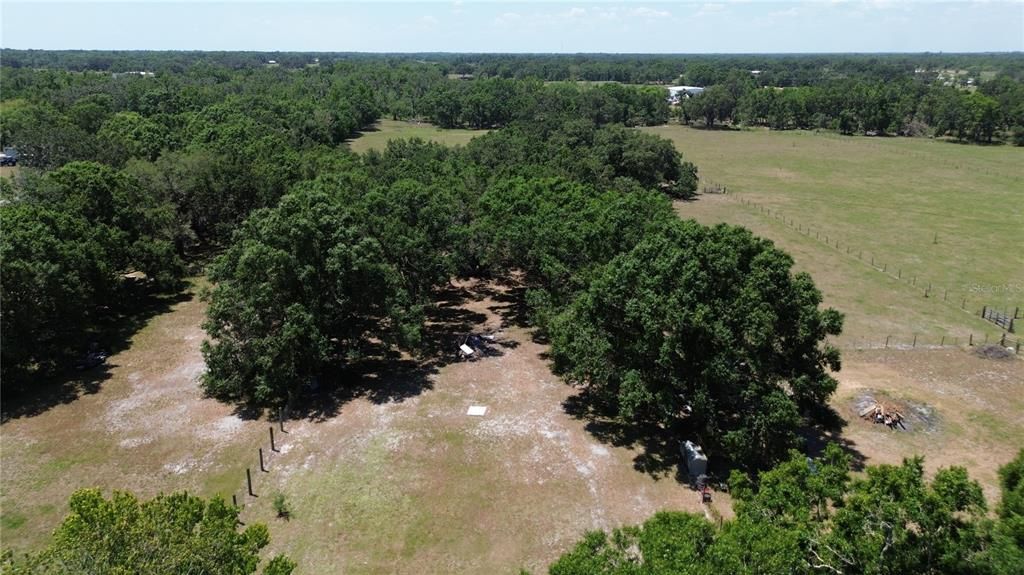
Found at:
(884, 414)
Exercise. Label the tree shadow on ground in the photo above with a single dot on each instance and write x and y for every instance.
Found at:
(830, 430)
(658, 456)
(383, 374)
(701, 125)
(658, 446)
(112, 335)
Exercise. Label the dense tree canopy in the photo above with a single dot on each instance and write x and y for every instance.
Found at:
(402, 222)
(301, 284)
(707, 321)
(68, 237)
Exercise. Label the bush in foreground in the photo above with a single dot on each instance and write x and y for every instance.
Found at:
(173, 534)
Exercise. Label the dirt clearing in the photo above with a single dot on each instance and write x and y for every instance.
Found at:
(397, 480)
(146, 429)
(418, 486)
(962, 409)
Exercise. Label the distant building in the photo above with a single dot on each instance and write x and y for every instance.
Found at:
(135, 73)
(677, 93)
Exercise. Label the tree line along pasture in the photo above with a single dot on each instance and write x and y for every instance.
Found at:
(340, 286)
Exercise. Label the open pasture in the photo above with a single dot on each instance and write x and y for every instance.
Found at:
(926, 212)
(385, 130)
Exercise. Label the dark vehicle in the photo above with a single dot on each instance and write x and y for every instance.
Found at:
(9, 157)
(91, 360)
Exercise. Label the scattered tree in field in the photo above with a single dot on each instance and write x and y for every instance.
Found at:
(174, 534)
(715, 104)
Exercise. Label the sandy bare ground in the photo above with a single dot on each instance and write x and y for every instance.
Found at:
(396, 478)
(417, 486)
(146, 429)
(975, 407)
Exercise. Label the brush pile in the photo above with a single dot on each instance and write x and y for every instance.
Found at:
(884, 414)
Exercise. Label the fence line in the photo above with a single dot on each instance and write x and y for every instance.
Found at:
(926, 288)
(918, 341)
(248, 491)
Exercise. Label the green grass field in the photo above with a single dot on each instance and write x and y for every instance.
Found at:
(926, 211)
(384, 130)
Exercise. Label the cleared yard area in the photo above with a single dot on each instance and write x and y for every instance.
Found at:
(385, 130)
(397, 479)
(932, 212)
(139, 424)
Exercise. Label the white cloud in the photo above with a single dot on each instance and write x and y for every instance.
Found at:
(428, 20)
(710, 9)
(644, 12)
(508, 19)
(788, 13)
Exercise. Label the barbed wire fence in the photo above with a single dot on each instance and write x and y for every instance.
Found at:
(965, 301)
(929, 341)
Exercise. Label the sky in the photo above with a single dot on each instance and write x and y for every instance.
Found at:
(725, 26)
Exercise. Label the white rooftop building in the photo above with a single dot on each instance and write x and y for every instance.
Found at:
(676, 93)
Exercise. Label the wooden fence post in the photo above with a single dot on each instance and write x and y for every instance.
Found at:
(915, 341)
(248, 481)
(273, 447)
(263, 467)
(887, 341)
